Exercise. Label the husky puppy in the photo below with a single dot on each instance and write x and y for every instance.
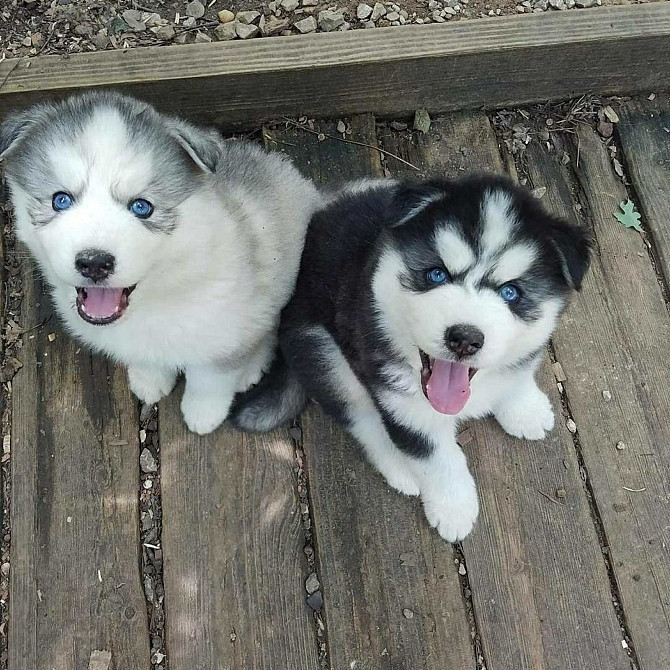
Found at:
(165, 247)
(418, 306)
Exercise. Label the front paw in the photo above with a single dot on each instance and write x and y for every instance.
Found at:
(453, 515)
(529, 417)
(204, 413)
(151, 384)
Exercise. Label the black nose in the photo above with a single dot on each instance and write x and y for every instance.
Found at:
(464, 340)
(94, 264)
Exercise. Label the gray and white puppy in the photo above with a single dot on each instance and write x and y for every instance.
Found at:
(165, 247)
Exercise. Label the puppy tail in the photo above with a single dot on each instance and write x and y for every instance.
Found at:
(276, 400)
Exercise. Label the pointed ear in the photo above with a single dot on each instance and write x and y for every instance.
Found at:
(203, 146)
(17, 127)
(574, 245)
(409, 198)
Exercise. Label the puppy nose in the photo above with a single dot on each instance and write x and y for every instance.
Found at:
(464, 340)
(94, 264)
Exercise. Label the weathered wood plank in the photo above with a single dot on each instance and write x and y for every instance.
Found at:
(233, 540)
(75, 585)
(613, 346)
(645, 137)
(539, 583)
(461, 65)
(376, 554)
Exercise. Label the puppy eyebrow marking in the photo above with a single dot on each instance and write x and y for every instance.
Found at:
(454, 250)
(498, 219)
(513, 262)
(429, 200)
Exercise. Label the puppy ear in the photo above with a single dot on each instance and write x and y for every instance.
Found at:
(574, 245)
(17, 126)
(203, 146)
(409, 198)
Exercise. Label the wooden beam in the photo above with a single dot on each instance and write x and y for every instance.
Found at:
(460, 65)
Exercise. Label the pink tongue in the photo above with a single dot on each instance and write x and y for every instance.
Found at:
(448, 388)
(101, 303)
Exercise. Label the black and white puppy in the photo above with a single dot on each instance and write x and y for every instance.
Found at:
(420, 305)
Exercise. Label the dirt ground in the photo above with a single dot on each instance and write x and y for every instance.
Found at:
(33, 27)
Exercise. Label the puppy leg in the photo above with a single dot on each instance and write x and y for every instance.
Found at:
(207, 397)
(258, 362)
(524, 411)
(329, 380)
(448, 490)
(151, 383)
(369, 430)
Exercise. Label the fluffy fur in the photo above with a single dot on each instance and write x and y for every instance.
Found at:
(364, 309)
(212, 266)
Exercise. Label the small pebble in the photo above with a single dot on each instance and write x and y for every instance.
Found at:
(378, 11)
(462, 570)
(607, 396)
(363, 11)
(195, 9)
(307, 25)
(312, 584)
(620, 446)
(245, 31)
(421, 121)
(407, 613)
(571, 426)
(330, 20)
(315, 601)
(147, 461)
(226, 16)
(226, 31)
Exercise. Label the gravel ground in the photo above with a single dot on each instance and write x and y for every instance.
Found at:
(33, 27)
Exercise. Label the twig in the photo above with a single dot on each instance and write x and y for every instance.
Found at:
(39, 325)
(272, 139)
(625, 488)
(49, 37)
(360, 144)
(207, 24)
(11, 69)
(144, 9)
(548, 497)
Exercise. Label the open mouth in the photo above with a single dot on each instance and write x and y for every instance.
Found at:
(446, 384)
(100, 306)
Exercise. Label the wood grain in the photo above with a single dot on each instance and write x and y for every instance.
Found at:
(538, 580)
(645, 137)
(75, 583)
(460, 65)
(391, 587)
(233, 539)
(614, 342)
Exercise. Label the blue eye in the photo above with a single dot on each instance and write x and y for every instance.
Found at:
(61, 201)
(436, 276)
(141, 208)
(509, 293)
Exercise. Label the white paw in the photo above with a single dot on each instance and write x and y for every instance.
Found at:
(151, 384)
(453, 515)
(204, 413)
(528, 417)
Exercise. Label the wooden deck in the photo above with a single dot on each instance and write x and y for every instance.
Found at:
(568, 567)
